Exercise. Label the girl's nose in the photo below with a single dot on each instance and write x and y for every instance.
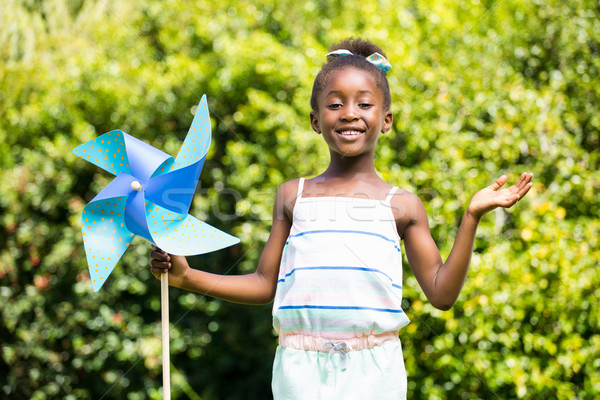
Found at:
(350, 113)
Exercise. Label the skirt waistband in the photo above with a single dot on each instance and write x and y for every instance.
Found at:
(314, 343)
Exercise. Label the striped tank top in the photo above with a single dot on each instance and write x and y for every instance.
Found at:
(341, 269)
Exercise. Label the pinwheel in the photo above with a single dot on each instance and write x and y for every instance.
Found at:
(150, 197)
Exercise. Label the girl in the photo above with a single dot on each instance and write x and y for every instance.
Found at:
(332, 263)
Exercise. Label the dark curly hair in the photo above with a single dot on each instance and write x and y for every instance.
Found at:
(360, 49)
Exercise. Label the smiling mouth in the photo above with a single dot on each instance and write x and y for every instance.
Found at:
(350, 132)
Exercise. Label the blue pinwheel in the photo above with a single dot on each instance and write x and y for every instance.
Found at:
(150, 197)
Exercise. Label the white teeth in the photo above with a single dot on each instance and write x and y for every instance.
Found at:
(350, 133)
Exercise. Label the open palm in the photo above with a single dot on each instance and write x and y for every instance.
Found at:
(492, 196)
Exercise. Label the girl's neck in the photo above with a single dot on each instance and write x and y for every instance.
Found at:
(350, 167)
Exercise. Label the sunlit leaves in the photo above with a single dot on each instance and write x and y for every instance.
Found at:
(479, 88)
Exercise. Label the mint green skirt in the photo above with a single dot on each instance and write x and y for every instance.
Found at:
(375, 373)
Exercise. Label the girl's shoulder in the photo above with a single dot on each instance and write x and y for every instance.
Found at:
(403, 195)
(289, 189)
(286, 197)
(406, 207)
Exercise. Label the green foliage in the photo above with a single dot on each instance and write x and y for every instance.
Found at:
(478, 89)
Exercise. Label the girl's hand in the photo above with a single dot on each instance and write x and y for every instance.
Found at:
(492, 196)
(162, 262)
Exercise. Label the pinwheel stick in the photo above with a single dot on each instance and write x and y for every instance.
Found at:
(166, 362)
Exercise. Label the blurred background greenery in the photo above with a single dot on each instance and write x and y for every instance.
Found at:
(479, 88)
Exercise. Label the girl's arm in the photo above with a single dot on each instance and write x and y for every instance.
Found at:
(256, 288)
(442, 282)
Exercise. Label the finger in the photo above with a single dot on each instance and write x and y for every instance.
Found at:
(524, 184)
(160, 264)
(499, 182)
(518, 187)
(157, 270)
(156, 248)
(525, 178)
(509, 200)
(525, 189)
(155, 255)
(160, 256)
(157, 275)
(521, 182)
(528, 176)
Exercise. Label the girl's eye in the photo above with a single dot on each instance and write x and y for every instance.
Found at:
(334, 106)
(365, 105)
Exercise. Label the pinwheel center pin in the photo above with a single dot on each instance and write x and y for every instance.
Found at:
(135, 185)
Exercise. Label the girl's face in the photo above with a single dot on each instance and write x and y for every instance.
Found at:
(350, 114)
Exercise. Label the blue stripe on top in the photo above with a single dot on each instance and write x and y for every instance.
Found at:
(340, 267)
(344, 231)
(308, 306)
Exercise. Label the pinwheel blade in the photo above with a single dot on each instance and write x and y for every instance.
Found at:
(144, 159)
(118, 187)
(107, 152)
(183, 234)
(176, 189)
(105, 237)
(196, 143)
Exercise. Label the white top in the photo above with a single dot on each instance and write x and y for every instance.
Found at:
(341, 269)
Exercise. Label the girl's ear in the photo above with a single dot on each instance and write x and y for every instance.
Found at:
(314, 121)
(388, 120)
